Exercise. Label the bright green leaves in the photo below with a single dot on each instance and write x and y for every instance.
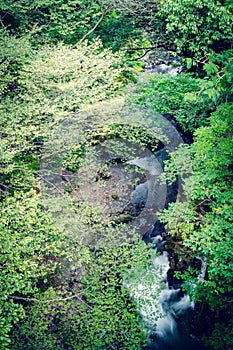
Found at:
(112, 320)
(79, 297)
(24, 228)
(210, 68)
(25, 239)
(220, 73)
(49, 84)
(91, 309)
(36, 265)
(70, 78)
(213, 152)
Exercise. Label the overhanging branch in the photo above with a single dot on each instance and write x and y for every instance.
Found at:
(96, 25)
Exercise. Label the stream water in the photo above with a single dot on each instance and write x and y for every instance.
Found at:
(171, 324)
(169, 317)
(174, 327)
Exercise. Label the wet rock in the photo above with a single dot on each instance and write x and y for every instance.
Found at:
(186, 135)
(158, 229)
(139, 196)
(161, 156)
(160, 247)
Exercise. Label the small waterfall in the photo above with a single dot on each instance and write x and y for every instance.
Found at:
(167, 312)
(173, 328)
(202, 273)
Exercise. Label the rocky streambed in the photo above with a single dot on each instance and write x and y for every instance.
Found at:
(119, 179)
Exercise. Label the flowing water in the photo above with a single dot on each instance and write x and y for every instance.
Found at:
(173, 329)
(167, 318)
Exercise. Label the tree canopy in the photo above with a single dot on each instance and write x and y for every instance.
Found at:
(65, 269)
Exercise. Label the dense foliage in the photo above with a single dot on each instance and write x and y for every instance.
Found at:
(204, 221)
(176, 96)
(63, 285)
(198, 27)
(91, 311)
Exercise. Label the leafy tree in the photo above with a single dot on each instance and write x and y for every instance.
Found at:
(91, 309)
(183, 96)
(198, 27)
(220, 75)
(204, 220)
(62, 20)
(27, 244)
(113, 21)
(48, 84)
(74, 295)
(14, 52)
(72, 77)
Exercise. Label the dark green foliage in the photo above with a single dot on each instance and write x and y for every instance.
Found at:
(198, 27)
(117, 30)
(205, 220)
(183, 96)
(219, 70)
(52, 21)
(69, 21)
(14, 53)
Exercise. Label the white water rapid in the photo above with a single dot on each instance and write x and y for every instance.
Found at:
(167, 312)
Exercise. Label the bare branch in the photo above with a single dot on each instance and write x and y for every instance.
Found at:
(77, 296)
(50, 183)
(96, 25)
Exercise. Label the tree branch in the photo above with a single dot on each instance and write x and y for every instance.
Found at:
(96, 25)
(45, 301)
